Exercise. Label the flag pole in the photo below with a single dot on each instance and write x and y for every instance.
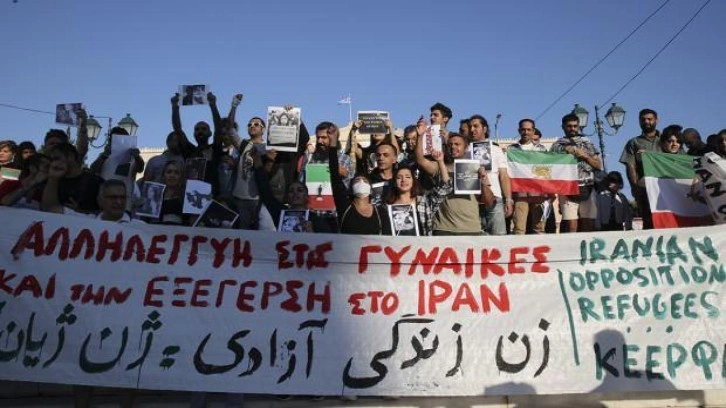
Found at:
(350, 109)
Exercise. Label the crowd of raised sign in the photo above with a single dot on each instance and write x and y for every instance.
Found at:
(378, 183)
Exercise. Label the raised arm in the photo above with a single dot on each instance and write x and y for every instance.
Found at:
(175, 115)
(236, 101)
(216, 118)
(340, 193)
(392, 132)
(355, 152)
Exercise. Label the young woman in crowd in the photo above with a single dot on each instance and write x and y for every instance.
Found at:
(356, 213)
(671, 139)
(172, 205)
(406, 190)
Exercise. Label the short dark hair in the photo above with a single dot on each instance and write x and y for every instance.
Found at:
(647, 111)
(527, 120)
(118, 130)
(59, 133)
(445, 110)
(672, 130)
(26, 145)
(614, 177)
(409, 129)
(537, 132)
(454, 134)
(258, 118)
(384, 143)
(110, 183)
(323, 126)
(464, 121)
(570, 117)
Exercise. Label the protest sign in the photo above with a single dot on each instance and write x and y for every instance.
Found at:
(194, 94)
(84, 301)
(374, 122)
(283, 128)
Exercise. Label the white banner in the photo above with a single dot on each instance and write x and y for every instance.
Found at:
(88, 302)
(711, 171)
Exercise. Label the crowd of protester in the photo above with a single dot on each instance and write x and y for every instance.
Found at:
(258, 183)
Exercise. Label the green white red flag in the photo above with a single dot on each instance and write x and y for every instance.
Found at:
(542, 172)
(320, 192)
(668, 180)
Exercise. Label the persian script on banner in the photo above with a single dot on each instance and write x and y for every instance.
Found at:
(84, 301)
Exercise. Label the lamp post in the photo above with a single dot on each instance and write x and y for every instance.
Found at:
(94, 128)
(615, 117)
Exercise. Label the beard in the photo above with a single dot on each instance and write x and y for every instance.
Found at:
(647, 128)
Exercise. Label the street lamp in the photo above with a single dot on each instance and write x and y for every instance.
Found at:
(129, 124)
(94, 128)
(615, 117)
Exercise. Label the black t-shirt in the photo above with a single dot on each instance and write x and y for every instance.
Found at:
(82, 189)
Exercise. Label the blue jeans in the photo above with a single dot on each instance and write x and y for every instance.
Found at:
(492, 219)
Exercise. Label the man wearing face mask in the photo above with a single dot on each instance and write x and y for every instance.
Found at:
(356, 213)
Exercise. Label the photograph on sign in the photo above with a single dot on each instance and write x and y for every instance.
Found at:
(283, 128)
(66, 113)
(293, 220)
(404, 220)
(194, 94)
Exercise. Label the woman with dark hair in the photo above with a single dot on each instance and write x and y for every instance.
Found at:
(671, 139)
(356, 212)
(406, 190)
(172, 205)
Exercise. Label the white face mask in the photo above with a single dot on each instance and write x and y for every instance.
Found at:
(361, 189)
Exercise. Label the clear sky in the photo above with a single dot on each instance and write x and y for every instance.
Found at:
(487, 57)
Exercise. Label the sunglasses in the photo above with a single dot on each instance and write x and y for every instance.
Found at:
(255, 124)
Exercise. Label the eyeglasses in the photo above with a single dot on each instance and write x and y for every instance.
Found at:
(254, 124)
